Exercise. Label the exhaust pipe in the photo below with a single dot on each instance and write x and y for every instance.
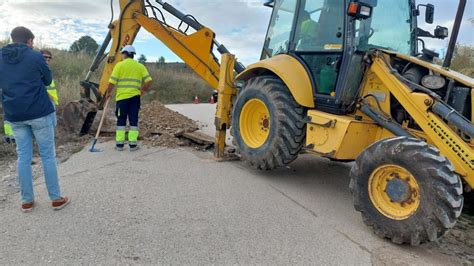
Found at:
(454, 34)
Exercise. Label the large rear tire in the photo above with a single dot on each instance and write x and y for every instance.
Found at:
(406, 191)
(267, 124)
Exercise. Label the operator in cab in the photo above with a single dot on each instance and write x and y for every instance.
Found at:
(132, 80)
(309, 28)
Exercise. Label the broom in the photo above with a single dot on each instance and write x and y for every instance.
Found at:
(93, 149)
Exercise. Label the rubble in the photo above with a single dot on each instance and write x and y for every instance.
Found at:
(160, 126)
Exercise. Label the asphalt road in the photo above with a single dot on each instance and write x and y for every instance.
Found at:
(180, 206)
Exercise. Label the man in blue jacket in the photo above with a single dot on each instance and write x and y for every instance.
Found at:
(24, 77)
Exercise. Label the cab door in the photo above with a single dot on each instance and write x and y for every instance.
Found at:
(318, 41)
(280, 29)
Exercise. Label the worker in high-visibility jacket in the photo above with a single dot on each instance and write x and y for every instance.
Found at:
(132, 80)
(52, 90)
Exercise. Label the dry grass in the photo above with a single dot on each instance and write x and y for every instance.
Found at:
(468, 72)
(68, 70)
(175, 83)
(172, 83)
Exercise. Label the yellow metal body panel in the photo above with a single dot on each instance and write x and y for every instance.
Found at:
(340, 137)
(288, 69)
(226, 91)
(436, 131)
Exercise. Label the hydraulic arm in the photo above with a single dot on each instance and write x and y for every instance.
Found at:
(195, 49)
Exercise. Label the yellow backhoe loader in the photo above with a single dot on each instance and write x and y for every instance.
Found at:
(349, 80)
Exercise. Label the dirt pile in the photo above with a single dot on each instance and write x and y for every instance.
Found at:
(160, 126)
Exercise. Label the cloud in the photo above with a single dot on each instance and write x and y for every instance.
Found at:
(239, 24)
(55, 23)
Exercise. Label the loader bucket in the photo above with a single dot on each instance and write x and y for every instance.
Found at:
(78, 116)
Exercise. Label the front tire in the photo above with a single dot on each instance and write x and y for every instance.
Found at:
(406, 191)
(267, 124)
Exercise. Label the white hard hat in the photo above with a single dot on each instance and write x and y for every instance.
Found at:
(129, 49)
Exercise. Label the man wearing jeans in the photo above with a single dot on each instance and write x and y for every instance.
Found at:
(28, 108)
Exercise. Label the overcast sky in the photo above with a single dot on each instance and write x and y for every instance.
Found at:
(240, 24)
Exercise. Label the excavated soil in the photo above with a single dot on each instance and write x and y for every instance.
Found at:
(160, 126)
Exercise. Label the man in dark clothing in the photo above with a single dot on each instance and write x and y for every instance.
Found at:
(30, 112)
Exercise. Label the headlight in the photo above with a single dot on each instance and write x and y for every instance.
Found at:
(433, 82)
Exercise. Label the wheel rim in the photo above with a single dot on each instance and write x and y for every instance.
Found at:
(254, 123)
(394, 192)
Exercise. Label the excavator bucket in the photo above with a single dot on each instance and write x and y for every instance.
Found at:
(78, 116)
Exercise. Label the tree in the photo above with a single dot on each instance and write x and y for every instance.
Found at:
(161, 60)
(142, 59)
(85, 44)
(463, 60)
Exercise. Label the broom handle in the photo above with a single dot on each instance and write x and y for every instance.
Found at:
(102, 118)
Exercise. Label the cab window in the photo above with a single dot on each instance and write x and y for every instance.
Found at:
(279, 32)
(320, 26)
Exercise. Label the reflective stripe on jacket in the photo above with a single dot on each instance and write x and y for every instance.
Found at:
(53, 92)
(128, 77)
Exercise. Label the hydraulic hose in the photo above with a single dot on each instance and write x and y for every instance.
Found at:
(186, 18)
(99, 55)
(389, 124)
(452, 116)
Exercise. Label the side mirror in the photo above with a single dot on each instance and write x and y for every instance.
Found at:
(429, 14)
(270, 3)
(360, 9)
(441, 32)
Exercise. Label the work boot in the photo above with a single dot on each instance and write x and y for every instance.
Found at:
(119, 147)
(133, 147)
